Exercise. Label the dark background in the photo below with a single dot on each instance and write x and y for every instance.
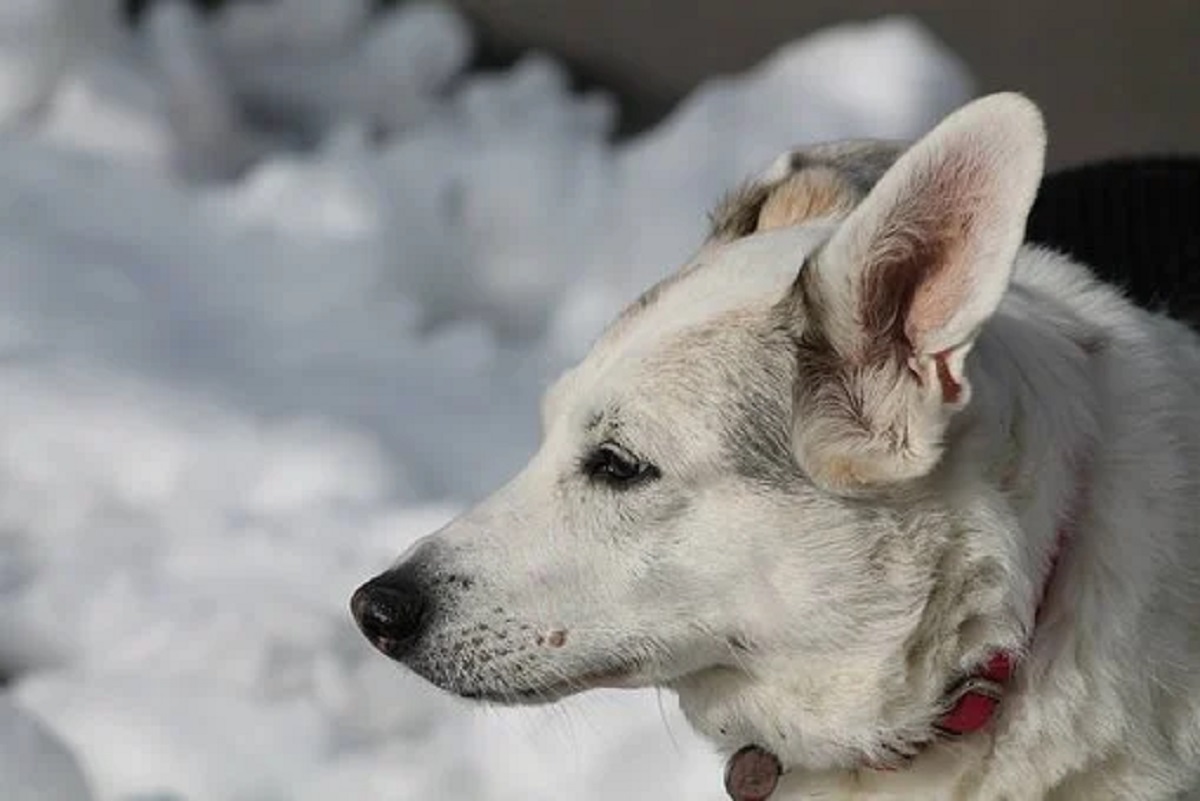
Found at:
(1113, 76)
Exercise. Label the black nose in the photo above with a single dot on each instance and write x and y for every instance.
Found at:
(392, 610)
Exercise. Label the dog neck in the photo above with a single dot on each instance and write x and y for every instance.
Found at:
(970, 704)
(971, 701)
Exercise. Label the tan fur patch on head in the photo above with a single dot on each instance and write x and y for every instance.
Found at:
(809, 194)
(804, 184)
(737, 213)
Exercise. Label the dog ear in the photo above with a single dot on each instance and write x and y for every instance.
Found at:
(921, 264)
(904, 285)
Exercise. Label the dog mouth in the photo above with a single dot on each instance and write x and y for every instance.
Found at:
(628, 675)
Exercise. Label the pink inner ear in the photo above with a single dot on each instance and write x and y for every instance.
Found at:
(944, 290)
(919, 273)
(951, 388)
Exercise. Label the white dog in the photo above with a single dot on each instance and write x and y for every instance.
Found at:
(899, 507)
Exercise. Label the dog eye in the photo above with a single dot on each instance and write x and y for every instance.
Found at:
(616, 467)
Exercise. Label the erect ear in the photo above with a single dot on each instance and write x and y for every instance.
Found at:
(925, 259)
(903, 287)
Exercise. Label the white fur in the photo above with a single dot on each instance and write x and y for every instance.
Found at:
(822, 613)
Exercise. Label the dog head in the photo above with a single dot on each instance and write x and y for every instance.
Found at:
(749, 490)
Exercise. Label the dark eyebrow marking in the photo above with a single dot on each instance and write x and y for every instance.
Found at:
(609, 417)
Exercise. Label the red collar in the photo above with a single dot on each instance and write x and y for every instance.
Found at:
(752, 773)
(974, 700)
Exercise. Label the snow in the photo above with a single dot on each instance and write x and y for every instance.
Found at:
(34, 764)
(281, 288)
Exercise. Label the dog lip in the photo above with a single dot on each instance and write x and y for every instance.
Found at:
(617, 677)
(621, 676)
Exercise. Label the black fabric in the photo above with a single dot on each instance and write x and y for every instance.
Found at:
(1136, 222)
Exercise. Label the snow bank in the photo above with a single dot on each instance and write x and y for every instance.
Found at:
(281, 289)
(34, 763)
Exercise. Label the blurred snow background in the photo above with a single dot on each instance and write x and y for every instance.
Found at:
(279, 289)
